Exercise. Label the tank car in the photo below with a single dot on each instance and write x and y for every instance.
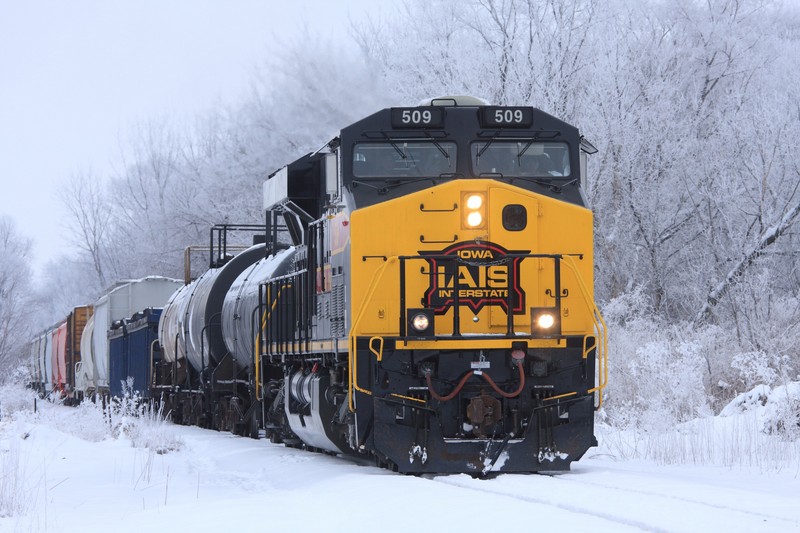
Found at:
(438, 310)
(197, 377)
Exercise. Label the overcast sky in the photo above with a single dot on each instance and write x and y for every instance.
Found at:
(76, 75)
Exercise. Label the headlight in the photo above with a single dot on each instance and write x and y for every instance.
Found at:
(474, 219)
(420, 322)
(473, 209)
(474, 201)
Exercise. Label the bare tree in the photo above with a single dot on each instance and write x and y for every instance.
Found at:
(15, 295)
(89, 219)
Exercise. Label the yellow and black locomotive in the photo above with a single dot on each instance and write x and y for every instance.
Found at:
(431, 304)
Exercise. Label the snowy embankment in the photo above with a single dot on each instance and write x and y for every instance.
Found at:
(68, 468)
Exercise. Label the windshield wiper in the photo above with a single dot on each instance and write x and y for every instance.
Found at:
(437, 145)
(388, 184)
(384, 185)
(548, 182)
(488, 143)
(397, 148)
(365, 183)
(525, 149)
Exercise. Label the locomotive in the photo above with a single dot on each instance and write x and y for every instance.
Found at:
(421, 294)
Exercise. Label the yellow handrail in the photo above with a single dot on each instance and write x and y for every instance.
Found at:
(600, 333)
(353, 377)
(256, 351)
(379, 352)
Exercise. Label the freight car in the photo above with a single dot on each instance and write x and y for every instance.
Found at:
(196, 377)
(423, 297)
(70, 360)
(54, 354)
(117, 303)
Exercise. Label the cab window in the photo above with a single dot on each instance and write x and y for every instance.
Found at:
(403, 159)
(524, 158)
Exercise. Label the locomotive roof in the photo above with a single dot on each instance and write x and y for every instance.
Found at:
(461, 112)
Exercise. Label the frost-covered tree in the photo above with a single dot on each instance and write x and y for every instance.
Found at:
(306, 95)
(174, 185)
(16, 296)
(693, 105)
(146, 236)
(505, 51)
(89, 223)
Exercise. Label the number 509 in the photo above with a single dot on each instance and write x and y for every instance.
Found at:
(506, 116)
(416, 117)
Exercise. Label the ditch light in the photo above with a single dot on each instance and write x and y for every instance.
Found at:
(420, 322)
(545, 322)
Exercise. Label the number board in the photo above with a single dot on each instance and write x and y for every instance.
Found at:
(417, 117)
(506, 117)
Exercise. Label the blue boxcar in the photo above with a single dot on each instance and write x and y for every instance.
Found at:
(129, 352)
(142, 332)
(117, 357)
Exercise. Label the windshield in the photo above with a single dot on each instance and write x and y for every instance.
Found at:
(401, 159)
(524, 158)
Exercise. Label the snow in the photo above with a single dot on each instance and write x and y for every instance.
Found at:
(72, 468)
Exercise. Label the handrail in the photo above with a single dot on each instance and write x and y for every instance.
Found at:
(257, 350)
(508, 258)
(351, 355)
(600, 345)
(150, 369)
(601, 332)
(267, 314)
(379, 352)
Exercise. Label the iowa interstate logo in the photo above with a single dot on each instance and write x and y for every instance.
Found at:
(483, 273)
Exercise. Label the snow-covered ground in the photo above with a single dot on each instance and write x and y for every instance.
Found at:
(65, 469)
